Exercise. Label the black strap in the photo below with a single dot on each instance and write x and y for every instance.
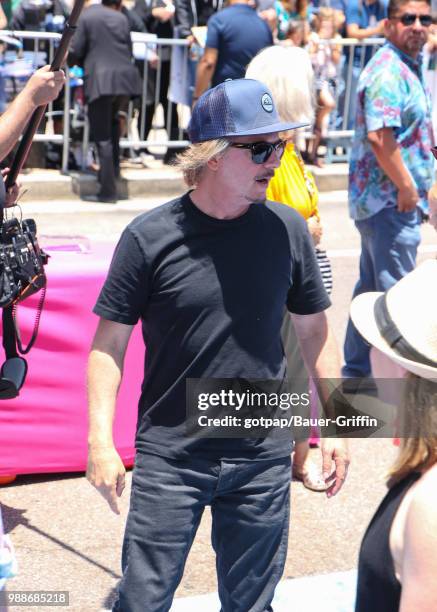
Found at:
(393, 336)
(9, 336)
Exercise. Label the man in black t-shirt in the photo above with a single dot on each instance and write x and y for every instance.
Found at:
(209, 275)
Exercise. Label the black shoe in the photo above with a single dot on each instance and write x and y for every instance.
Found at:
(99, 198)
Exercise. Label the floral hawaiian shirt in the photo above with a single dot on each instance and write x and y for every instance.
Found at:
(391, 93)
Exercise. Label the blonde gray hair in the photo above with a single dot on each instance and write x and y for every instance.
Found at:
(288, 73)
(194, 160)
(418, 447)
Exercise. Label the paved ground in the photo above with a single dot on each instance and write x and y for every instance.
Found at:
(66, 537)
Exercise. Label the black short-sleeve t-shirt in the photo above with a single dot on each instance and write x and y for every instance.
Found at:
(210, 295)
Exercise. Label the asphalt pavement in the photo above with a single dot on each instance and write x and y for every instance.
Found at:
(66, 537)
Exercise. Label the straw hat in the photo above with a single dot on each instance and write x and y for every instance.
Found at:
(402, 322)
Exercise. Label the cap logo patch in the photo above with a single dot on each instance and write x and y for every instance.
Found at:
(267, 103)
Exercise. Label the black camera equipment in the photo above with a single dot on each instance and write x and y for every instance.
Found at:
(22, 261)
(21, 274)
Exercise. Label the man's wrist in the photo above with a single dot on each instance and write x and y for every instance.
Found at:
(407, 186)
(100, 443)
(28, 100)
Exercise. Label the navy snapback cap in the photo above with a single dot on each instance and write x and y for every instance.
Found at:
(240, 107)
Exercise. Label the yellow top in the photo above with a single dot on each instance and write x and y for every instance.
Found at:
(294, 185)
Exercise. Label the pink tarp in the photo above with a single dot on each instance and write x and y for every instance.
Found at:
(45, 428)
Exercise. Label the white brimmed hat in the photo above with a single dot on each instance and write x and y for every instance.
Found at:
(402, 322)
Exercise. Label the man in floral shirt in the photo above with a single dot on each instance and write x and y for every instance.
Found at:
(391, 163)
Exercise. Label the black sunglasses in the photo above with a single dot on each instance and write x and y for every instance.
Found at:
(434, 151)
(408, 19)
(261, 151)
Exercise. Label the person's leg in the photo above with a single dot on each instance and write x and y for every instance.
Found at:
(326, 105)
(100, 115)
(250, 517)
(356, 350)
(163, 98)
(389, 248)
(120, 103)
(172, 123)
(149, 110)
(167, 501)
(396, 246)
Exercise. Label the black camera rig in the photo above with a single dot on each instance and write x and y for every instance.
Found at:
(22, 273)
(22, 261)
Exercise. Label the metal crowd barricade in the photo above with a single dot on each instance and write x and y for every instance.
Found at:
(339, 135)
(17, 66)
(26, 62)
(152, 55)
(342, 121)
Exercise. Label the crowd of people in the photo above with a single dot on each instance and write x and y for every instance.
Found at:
(229, 282)
(222, 38)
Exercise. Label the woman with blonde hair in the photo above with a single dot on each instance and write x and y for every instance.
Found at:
(287, 71)
(398, 558)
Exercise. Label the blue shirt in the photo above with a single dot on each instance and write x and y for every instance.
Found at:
(365, 16)
(391, 93)
(238, 34)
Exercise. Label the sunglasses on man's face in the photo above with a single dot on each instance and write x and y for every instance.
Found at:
(408, 19)
(261, 151)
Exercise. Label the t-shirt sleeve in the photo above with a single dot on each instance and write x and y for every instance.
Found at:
(124, 295)
(307, 294)
(353, 13)
(383, 102)
(213, 33)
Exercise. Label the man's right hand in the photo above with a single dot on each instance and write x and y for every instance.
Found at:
(44, 86)
(106, 472)
(407, 199)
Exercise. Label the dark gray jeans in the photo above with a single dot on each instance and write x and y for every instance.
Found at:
(250, 515)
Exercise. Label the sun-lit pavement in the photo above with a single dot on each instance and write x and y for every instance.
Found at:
(68, 539)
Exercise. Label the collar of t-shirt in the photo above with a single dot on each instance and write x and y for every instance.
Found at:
(415, 64)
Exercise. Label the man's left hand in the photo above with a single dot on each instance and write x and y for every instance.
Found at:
(334, 450)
